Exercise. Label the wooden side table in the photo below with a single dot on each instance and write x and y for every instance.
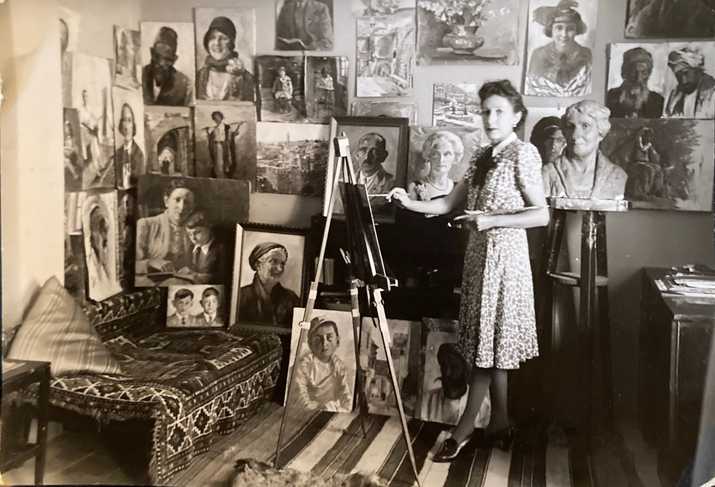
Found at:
(17, 375)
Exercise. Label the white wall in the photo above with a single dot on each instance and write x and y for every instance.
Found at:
(31, 173)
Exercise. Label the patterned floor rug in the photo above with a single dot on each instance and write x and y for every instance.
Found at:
(328, 444)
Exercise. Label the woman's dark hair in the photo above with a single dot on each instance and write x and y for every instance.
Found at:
(505, 89)
(454, 371)
(176, 184)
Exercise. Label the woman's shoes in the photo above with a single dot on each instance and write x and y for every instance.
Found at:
(502, 438)
(449, 451)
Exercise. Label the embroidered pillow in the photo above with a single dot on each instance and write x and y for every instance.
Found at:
(57, 330)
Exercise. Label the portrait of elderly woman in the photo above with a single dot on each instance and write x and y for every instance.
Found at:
(693, 95)
(270, 276)
(582, 170)
(223, 74)
(163, 245)
(561, 67)
(438, 158)
(99, 213)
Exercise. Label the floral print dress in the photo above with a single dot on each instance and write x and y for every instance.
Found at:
(497, 322)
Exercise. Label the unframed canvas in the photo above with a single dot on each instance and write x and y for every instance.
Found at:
(342, 365)
(99, 226)
(291, 158)
(169, 133)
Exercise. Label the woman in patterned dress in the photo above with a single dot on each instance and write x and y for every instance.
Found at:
(497, 323)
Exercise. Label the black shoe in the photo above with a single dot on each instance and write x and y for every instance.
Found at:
(449, 451)
(503, 438)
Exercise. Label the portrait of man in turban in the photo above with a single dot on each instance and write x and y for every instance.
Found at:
(265, 299)
(633, 98)
(694, 94)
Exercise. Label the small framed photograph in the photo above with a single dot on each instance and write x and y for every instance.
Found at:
(378, 150)
(269, 276)
(196, 306)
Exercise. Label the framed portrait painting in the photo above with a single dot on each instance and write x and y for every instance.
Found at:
(378, 150)
(268, 275)
(196, 306)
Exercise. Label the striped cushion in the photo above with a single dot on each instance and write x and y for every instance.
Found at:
(57, 330)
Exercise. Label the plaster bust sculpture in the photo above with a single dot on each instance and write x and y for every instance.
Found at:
(582, 170)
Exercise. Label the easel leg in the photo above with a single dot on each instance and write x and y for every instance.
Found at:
(360, 386)
(587, 308)
(386, 340)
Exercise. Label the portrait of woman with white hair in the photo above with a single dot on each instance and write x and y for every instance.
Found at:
(582, 170)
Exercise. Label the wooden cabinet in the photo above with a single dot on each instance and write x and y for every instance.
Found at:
(675, 338)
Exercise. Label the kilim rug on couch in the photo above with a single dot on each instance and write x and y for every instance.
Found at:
(326, 444)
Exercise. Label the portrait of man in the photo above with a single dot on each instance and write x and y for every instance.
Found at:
(633, 98)
(162, 82)
(368, 157)
(694, 94)
(182, 302)
(324, 375)
(304, 25)
(548, 138)
(129, 138)
(211, 312)
(265, 299)
(225, 140)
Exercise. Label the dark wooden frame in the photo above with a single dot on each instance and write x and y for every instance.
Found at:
(401, 123)
(241, 229)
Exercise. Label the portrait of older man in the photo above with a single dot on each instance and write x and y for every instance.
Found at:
(368, 157)
(162, 83)
(633, 98)
(265, 300)
(304, 25)
(694, 95)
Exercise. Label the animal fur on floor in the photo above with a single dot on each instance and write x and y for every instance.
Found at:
(249, 473)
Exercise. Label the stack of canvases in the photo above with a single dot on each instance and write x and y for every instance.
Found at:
(162, 152)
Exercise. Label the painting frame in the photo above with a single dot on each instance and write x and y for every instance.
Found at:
(365, 125)
(246, 236)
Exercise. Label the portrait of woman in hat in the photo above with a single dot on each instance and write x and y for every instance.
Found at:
(223, 75)
(265, 299)
(562, 67)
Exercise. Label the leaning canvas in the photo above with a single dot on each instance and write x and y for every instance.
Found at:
(99, 226)
(92, 97)
(405, 350)
(467, 31)
(225, 140)
(169, 133)
(385, 52)
(670, 19)
(127, 58)
(669, 162)
(323, 370)
(445, 376)
(281, 88)
(292, 158)
(129, 148)
(171, 42)
(560, 48)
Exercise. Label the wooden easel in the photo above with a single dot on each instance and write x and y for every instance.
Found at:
(592, 281)
(344, 170)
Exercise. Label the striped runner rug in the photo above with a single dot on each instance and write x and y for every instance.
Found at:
(328, 443)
